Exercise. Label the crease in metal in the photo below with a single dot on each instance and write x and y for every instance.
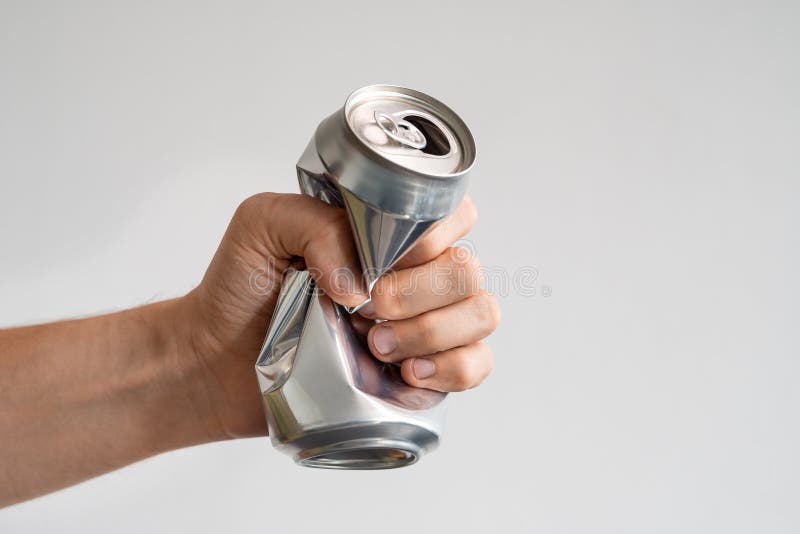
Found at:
(328, 402)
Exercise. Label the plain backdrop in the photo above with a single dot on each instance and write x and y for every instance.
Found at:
(637, 162)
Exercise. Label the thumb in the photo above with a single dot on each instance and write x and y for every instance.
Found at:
(299, 225)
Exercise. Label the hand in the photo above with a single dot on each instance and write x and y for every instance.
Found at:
(436, 312)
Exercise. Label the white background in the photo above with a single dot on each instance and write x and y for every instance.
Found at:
(643, 158)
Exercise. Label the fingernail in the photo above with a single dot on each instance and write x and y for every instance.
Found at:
(423, 368)
(384, 340)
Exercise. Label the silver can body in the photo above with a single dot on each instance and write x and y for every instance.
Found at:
(397, 160)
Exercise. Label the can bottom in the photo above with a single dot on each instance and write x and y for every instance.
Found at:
(360, 456)
(366, 447)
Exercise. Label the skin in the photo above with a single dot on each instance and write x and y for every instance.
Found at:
(84, 397)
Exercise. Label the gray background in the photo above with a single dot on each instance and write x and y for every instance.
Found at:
(643, 158)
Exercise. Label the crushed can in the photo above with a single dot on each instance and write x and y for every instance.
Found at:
(397, 160)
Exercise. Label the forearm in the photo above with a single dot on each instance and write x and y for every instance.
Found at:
(83, 397)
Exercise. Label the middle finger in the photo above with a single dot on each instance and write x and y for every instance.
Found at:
(453, 276)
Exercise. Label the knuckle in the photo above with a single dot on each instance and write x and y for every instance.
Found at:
(488, 311)
(427, 333)
(253, 205)
(465, 269)
(248, 219)
(463, 375)
(461, 380)
(471, 366)
(330, 235)
(474, 276)
(473, 264)
(331, 239)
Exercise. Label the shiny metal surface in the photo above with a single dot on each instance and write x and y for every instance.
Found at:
(393, 192)
(328, 402)
(390, 121)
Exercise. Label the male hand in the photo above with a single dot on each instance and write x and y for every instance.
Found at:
(435, 312)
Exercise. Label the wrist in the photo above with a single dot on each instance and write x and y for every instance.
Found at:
(218, 352)
(172, 395)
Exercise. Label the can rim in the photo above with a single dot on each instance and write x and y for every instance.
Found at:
(466, 138)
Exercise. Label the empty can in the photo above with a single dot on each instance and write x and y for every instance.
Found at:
(397, 160)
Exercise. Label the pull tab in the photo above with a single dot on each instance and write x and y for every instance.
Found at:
(400, 130)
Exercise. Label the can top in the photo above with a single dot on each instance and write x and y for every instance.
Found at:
(410, 129)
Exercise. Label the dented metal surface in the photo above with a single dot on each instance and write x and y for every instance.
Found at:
(397, 160)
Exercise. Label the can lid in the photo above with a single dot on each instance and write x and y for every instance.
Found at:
(410, 129)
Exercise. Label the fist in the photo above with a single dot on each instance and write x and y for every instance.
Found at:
(433, 312)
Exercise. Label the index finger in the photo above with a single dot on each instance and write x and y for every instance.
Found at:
(442, 236)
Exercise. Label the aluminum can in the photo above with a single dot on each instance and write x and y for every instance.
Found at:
(397, 160)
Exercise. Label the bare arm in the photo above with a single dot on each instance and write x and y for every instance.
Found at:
(80, 398)
(88, 396)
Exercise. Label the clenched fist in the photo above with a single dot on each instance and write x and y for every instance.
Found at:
(434, 313)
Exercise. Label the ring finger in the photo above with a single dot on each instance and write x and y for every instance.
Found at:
(462, 323)
(451, 370)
